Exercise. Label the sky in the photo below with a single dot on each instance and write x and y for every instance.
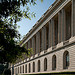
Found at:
(40, 8)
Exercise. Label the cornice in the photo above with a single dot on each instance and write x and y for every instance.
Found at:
(50, 9)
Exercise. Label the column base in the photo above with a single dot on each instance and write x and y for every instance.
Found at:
(42, 53)
(59, 45)
(36, 55)
(50, 49)
(31, 57)
(27, 59)
(72, 39)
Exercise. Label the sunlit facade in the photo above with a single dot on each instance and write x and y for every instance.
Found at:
(52, 39)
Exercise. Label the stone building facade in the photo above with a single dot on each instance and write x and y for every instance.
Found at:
(52, 39)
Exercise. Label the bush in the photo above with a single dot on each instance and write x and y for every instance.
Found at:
(61, 73)
(7, 72)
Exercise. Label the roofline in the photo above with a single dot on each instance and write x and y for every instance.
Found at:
(41, 19)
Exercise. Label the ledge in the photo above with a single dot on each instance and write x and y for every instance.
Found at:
(41, 53)
(59, 45)
(72, 39)
(36, 55)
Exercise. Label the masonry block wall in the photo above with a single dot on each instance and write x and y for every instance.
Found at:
(52, 40)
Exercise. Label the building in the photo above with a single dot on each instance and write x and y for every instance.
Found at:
(53, 41)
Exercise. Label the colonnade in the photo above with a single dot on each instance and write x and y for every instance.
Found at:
(59, 29)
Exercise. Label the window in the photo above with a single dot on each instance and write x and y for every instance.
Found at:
(66, 60)
(40, 41)
(18, 69)
(26, 68)
(33, 66)
(29, 67)
(15, 70)
(68, 22)
(23, 68)
(54, 62)
(47, 36)
(38, 65)
(35, 43)
(56, 30)
(45, 64)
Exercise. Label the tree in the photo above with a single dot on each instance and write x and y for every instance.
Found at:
(10, 14)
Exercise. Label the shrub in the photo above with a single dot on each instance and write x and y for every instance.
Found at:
(7, 72)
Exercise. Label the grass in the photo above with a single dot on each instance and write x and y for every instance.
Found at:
(62, 73)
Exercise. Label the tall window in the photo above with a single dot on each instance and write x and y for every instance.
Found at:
(38, 65)
(23, 68)
(27, 45)
(40, 40)
(18, 69)
(56, 30)
(45, 64)
(33, 66)
(66, 60)
(31, 46)
(47, 33)
(30, 43)
(26, 68)
(54, 62)
(68, 22)
(35, 43)
(29, 67)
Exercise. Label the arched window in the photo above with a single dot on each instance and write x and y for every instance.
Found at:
(33, 66)
(65, 60)
(29, 67)
(54, 62)
(38, 65)
(26, 68)
(45, 64)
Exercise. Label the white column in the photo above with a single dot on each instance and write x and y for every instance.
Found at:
(63, 38)
(73, 19)
(59, 27)
(52, 32)
(49, 35)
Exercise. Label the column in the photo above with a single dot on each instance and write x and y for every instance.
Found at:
(59, 27)
(49, 35)
(73, 19)
(63, 25)
(52, 32)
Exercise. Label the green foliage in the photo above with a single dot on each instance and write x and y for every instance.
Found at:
(10, 14)
(60, 73)
(1, 69)
(7, 72)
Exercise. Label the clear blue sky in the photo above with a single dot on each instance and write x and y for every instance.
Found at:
(39, 9)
